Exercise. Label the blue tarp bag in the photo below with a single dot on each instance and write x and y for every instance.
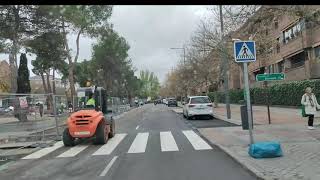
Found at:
(269, 149)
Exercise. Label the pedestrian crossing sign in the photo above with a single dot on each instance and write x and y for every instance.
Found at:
(244, 51)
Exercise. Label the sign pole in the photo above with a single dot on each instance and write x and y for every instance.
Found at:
(246, 84)
(268, 101)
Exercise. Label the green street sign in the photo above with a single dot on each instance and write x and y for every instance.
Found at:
(270, 77)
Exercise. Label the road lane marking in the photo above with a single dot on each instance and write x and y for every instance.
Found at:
(73, 151)
(139, 144)
(137, 127)
(111, 145)
(167, 142)
(196, 141)
(44, 151)
(105, 171)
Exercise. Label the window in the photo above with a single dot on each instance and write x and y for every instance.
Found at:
(200, 100)
(281, 66)
(292, 32)
(317, 52)
(276, 24)
(278, 45)
(297, 60)
(271, 68)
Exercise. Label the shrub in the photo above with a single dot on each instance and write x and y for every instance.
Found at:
(286, 94)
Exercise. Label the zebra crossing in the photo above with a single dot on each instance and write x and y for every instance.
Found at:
(139, 145)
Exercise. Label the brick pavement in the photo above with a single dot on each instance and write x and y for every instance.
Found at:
(300, 146)
(278, 115)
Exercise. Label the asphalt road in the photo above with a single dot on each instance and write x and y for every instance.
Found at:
(152, 142)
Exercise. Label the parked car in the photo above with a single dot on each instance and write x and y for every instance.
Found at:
(172, 102)
(141, 103)
(2, 110)
(165, 101)
(197, 106)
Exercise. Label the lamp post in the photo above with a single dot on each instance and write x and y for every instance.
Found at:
(184, 53)
(184, 57)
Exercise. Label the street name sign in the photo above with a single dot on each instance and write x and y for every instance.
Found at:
(270, 77)
(244, 51)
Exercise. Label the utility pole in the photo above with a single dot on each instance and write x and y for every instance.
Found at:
(225, 66)
(184, 63)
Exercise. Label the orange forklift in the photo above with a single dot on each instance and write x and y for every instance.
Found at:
(88, 121)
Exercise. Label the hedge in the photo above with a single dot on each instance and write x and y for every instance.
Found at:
(286, 94)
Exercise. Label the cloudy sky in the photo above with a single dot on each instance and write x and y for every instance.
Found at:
(150, 31)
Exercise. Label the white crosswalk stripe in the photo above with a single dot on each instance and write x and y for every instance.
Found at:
(167, 142)
(196, 141)
(73, 151)
(139, 144)
(45, 151)
(111, 145)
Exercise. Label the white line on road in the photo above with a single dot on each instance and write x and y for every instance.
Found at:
(167, 142)
(105, 171)
(73, 151)
(197, 142)
(137, 127)
(139, 144)
(44, 151)
(111, 145)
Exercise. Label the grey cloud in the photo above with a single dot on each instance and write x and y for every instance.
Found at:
(152, 30)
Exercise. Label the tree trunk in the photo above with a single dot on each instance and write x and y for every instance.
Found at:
(13, 73)
(70, 69)
(53, 82)
(50, 99)
(45, 88)
(15, 49)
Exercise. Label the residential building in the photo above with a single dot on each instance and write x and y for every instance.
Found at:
(37, 85)
(285, 44)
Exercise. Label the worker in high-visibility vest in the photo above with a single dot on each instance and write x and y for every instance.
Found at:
(91, 101)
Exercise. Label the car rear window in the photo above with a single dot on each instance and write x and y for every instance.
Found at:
(200, 100)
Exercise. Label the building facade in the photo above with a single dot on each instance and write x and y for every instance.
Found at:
(292, 47)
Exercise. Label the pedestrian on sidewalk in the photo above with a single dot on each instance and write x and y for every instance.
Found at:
(70, 107)
(310, 102)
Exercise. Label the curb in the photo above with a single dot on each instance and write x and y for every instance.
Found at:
(249, 168)
(253, 171)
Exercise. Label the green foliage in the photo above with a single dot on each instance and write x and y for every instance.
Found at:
(235, 96)
(23, 75)
(50, 52)
(286, 94)
(85, 71)
(86, 18)
(150, 84)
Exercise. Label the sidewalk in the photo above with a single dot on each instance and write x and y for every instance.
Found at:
(278, 115)
(300, 146)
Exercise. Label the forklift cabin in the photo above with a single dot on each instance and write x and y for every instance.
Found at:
(100, 97)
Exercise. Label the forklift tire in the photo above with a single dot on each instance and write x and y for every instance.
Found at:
(101, 137)
(112, 129)
(68, 140)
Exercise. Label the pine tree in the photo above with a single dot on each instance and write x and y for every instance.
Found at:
(23, 75)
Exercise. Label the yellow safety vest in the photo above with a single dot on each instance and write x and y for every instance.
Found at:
(91, 102)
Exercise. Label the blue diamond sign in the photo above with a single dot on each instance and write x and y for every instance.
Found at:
(244, 51)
